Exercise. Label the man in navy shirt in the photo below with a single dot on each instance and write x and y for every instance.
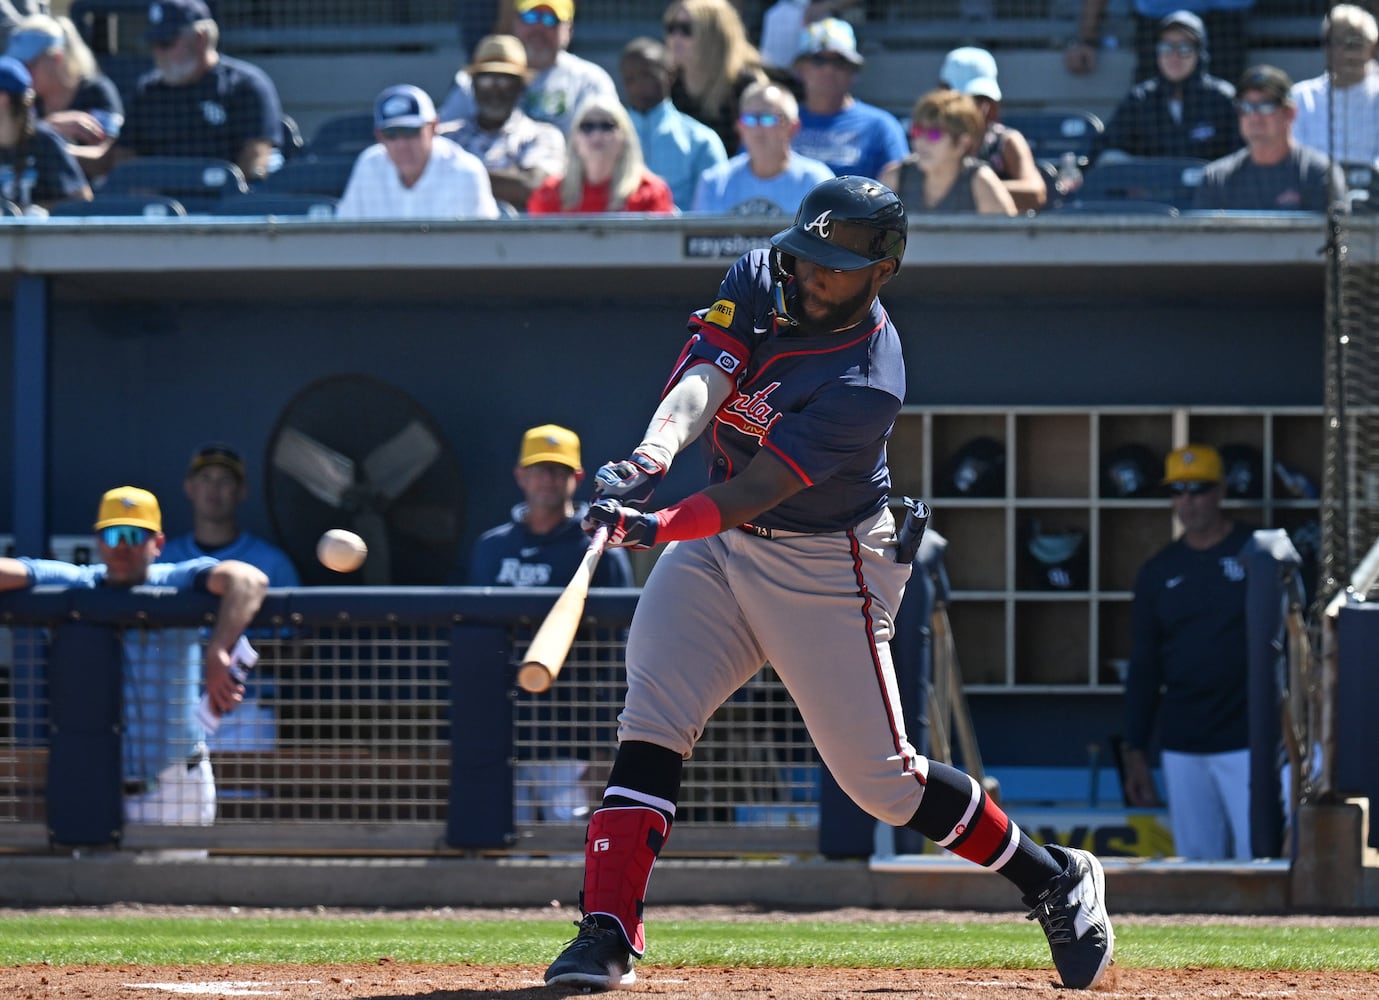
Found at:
(197, 102)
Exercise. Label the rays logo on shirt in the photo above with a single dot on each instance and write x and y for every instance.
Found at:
(20, 193)
(213, 112)
(516, 573)
(752, 413)
(1232, 570)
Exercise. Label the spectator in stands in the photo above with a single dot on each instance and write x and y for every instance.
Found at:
(1188, 670)
(768, 177)
(714, 63)
(677, 147)
(197, 102)
(1348, 91)
(1182, 110)
(783, 23)
(36, 170)
(1272, 172)
(972, 71)
(168, 777)
(560, 80)
(1225, 20)
(942, 174)
(80, 102)
(517, 151)
(604, 170)
(407, 174)
(851, 136)
(217, 484)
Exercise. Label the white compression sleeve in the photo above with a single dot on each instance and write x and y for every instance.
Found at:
(684, 412)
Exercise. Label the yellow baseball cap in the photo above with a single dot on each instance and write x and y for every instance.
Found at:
(550, 443)
(563, 9)
(129, 505)
(1194, 463)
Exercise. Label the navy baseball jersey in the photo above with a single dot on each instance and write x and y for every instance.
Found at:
(823, 405)
(512, 555)
(213, 117)
(43, 172)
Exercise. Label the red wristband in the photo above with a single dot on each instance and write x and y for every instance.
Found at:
(696, 516)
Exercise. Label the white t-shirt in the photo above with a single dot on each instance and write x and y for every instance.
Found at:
(1357, 118)
(453, 185)
(552, 95)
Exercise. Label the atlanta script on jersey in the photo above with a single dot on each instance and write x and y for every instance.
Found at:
(823, 405)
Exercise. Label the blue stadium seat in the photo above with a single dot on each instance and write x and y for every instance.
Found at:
(309, 175)
(342, 135)
(1051, 132)
(152, 206)
(194, 181)
(1362, 184)
(1122, 206)
(315, 206)
(1168, 179)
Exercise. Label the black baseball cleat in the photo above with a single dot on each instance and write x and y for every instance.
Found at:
(1072, 911)
(596, 958)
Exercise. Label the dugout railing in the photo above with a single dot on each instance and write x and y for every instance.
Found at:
(377, 721)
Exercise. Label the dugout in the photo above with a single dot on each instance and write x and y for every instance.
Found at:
(127, 344)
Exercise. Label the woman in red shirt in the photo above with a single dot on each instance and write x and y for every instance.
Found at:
(604, 170)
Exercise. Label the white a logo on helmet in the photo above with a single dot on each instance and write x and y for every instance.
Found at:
(821, 224)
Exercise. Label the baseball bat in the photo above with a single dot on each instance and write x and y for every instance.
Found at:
(551, 644)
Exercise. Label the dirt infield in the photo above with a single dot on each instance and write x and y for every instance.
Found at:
(394, 981)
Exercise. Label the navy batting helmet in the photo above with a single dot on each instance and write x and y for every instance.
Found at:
(846, 223)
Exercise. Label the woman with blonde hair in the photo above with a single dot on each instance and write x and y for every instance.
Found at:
(714, 63)
(604, 169)
(74, 97)
(942, 173)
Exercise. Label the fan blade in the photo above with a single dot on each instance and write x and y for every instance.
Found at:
(399, 462)
(378, 568)
(323, 472)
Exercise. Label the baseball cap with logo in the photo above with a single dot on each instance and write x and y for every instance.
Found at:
(14, 77)
(499, 54)
(216, 453)
(830, 35)
(169, 18)
(129, 505)
(971, 71)
(30, 43)
(403, 106)
(563, 9)
(1270, 79)
(1194, 463)
(550, 443)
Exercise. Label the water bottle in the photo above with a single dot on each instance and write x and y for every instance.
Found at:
(1069, 174)
(242, 660)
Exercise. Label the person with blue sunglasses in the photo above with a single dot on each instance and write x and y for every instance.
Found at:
(167, 771)
(768, 177)
(560, 81)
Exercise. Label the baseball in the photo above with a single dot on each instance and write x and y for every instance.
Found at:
(341, 550)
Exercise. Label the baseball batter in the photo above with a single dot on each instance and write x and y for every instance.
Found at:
(791, 380)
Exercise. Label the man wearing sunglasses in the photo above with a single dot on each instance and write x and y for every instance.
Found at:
(768, 177)
(1273, 173)
(1338, 112)
(167, 774)
(198, 102)
(1188, 672)
(851, 136)
(407, 174)
(560, 80)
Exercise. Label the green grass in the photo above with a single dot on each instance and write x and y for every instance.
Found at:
(164, 941)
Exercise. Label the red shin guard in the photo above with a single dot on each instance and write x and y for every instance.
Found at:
(620, 849)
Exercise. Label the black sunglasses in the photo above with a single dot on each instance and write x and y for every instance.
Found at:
(685, 28)
(590, 126)
(1190, 489)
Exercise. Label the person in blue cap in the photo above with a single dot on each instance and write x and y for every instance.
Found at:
(36, 170)
(197, 102)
